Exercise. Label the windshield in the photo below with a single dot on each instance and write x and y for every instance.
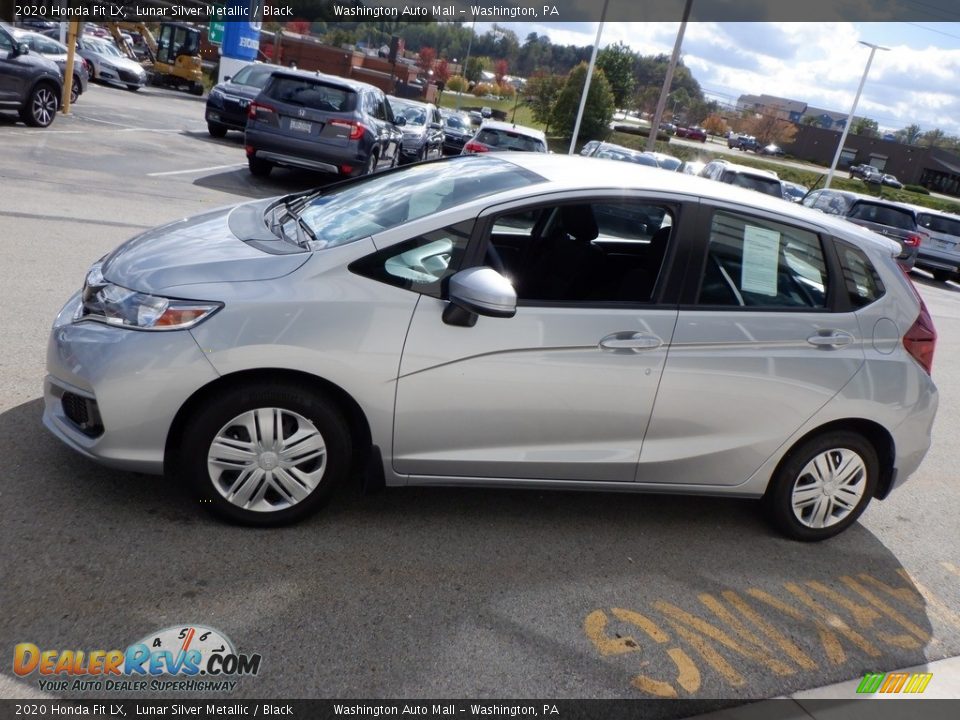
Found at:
(940, 224)
(359, 209)
(254, 75)
(883, 215)
(105, 49)
(768, 186)
(413, 114)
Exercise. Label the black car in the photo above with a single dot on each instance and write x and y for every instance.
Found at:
(229, 101)
(320, 122)
(457, 130)
(29, 83)
(422, 129)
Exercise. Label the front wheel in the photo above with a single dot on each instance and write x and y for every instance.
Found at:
(41, 107)
(942, 275)
(823, 486)
(216, 130)
(266, 454)
(132, 87)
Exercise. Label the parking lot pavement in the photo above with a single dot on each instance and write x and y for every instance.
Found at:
(417, 592)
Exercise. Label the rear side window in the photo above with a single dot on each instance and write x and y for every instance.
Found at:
(860, 278)
(503, 140)
(762, 264)
(883, 215)
(940, 224)
(311, 94)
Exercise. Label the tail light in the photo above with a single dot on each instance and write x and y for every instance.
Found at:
(913, 240)
(475, 147)
(356, 129)
(921, 339)
(259, 111)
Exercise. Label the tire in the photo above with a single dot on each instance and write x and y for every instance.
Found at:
(75, 90)
(942, 275)
(133, 88)
(216, 130)
(258, 167)
(41, 107)
(371, 167)
(245, 474)
(846, 458)
(196, 89)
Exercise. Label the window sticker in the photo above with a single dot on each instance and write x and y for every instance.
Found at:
(761, 256)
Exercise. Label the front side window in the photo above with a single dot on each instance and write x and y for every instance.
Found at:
(421, 264)
(762, 264)
(597, 251)
(380, 202)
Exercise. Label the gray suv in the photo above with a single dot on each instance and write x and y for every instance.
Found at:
(509, 320)
(940, 245)
(320, 122)
(894, 220)
(29, 83)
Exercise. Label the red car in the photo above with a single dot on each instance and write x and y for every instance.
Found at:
(696, 133)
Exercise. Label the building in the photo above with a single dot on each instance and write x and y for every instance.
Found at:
(795, 111)
(933, 168)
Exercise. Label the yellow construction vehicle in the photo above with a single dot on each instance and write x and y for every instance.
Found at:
(173, 56)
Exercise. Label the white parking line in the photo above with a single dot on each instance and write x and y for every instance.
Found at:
(194, 170)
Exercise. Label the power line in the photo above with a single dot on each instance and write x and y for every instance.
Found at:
(939, 32)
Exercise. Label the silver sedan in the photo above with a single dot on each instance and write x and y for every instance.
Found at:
(505, 320)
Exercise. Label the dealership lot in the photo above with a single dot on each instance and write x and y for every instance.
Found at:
(418, 593)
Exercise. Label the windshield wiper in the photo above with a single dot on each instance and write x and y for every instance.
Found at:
(291, 212)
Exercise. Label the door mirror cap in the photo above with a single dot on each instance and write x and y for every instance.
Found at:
(228, 78)
(484, 291)
(399, 120)
(21, 49)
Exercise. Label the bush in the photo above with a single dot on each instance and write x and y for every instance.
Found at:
(641, 131)
(482, 89)
(917, 189)
(457, 83)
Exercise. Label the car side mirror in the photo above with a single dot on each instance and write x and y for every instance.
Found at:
(479, 291)
(399, 120)
(228, 78)
(21, 49)
(436, 126)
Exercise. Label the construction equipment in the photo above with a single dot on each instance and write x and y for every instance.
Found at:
(173, 56)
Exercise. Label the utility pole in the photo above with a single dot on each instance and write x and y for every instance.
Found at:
(586, 84)
(668, 80)
(467, 62)
(853, 109)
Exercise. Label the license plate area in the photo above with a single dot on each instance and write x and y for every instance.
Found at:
(301, 126)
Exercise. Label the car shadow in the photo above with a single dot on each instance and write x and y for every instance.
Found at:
(430, 592)
(281, 181)
(922, 278)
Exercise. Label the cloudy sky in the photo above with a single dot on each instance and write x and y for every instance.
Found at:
(916, 81)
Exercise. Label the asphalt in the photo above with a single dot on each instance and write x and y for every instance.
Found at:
(417, 592)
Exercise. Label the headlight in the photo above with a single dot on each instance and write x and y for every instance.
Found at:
(105, 302)
(216, 94)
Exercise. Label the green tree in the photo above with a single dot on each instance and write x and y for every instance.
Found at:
(473, 69)
(598, 111)
(617, 62)
(540, 95)
(933, 138)
(909, 135)
(865, 127)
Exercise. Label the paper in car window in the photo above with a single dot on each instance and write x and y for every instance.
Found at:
(761, 255)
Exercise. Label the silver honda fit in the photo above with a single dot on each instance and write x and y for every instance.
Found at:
(508, 320)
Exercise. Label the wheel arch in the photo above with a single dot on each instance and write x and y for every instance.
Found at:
(356, 419)
(875, 434)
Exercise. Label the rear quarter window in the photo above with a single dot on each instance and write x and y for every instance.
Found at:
(860, 277)
(311, 94)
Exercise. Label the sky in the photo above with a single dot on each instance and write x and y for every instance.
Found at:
(916, 81)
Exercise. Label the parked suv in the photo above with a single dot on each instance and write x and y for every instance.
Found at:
(320, 122)
(939, 250)
(57, 51)
(765, 181)
(29, 83)
(229, 102)
(422, 129)
(743, 142)
(894, 220)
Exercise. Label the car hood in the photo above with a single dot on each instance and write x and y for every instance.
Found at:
(417, 131)
(203, 249)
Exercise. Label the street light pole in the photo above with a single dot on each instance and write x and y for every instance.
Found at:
(668, 80)
(586, 84)
(853, 109)
(467, 61)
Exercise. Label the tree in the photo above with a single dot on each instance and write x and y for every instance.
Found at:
(933, 138)
(770, 129)
(441, 71)
(617, 63)
(909, 135)
(499, 71)
(473, 69)
(301, 27)
(598, 111)
(715, 125)
(541, 92)
(865, 127)
(426, 58)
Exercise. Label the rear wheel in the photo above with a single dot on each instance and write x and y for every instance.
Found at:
(371, 166)
(75, 89)
(216, 130)
(258, 167)
(942, 275)
(41, 107)
(132, 87)
(266, 454)
(823, 486)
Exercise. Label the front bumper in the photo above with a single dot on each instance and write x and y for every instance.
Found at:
(128, 385)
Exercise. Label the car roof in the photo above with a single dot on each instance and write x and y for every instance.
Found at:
(747, 170)
(510, 127)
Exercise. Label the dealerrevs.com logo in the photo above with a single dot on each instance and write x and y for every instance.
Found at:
(181, 658)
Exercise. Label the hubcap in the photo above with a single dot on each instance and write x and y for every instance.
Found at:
(44, 106)
(829, 488)
(267, 459)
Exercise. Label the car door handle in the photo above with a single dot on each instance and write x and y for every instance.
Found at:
(637, 342)
(831, 339)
